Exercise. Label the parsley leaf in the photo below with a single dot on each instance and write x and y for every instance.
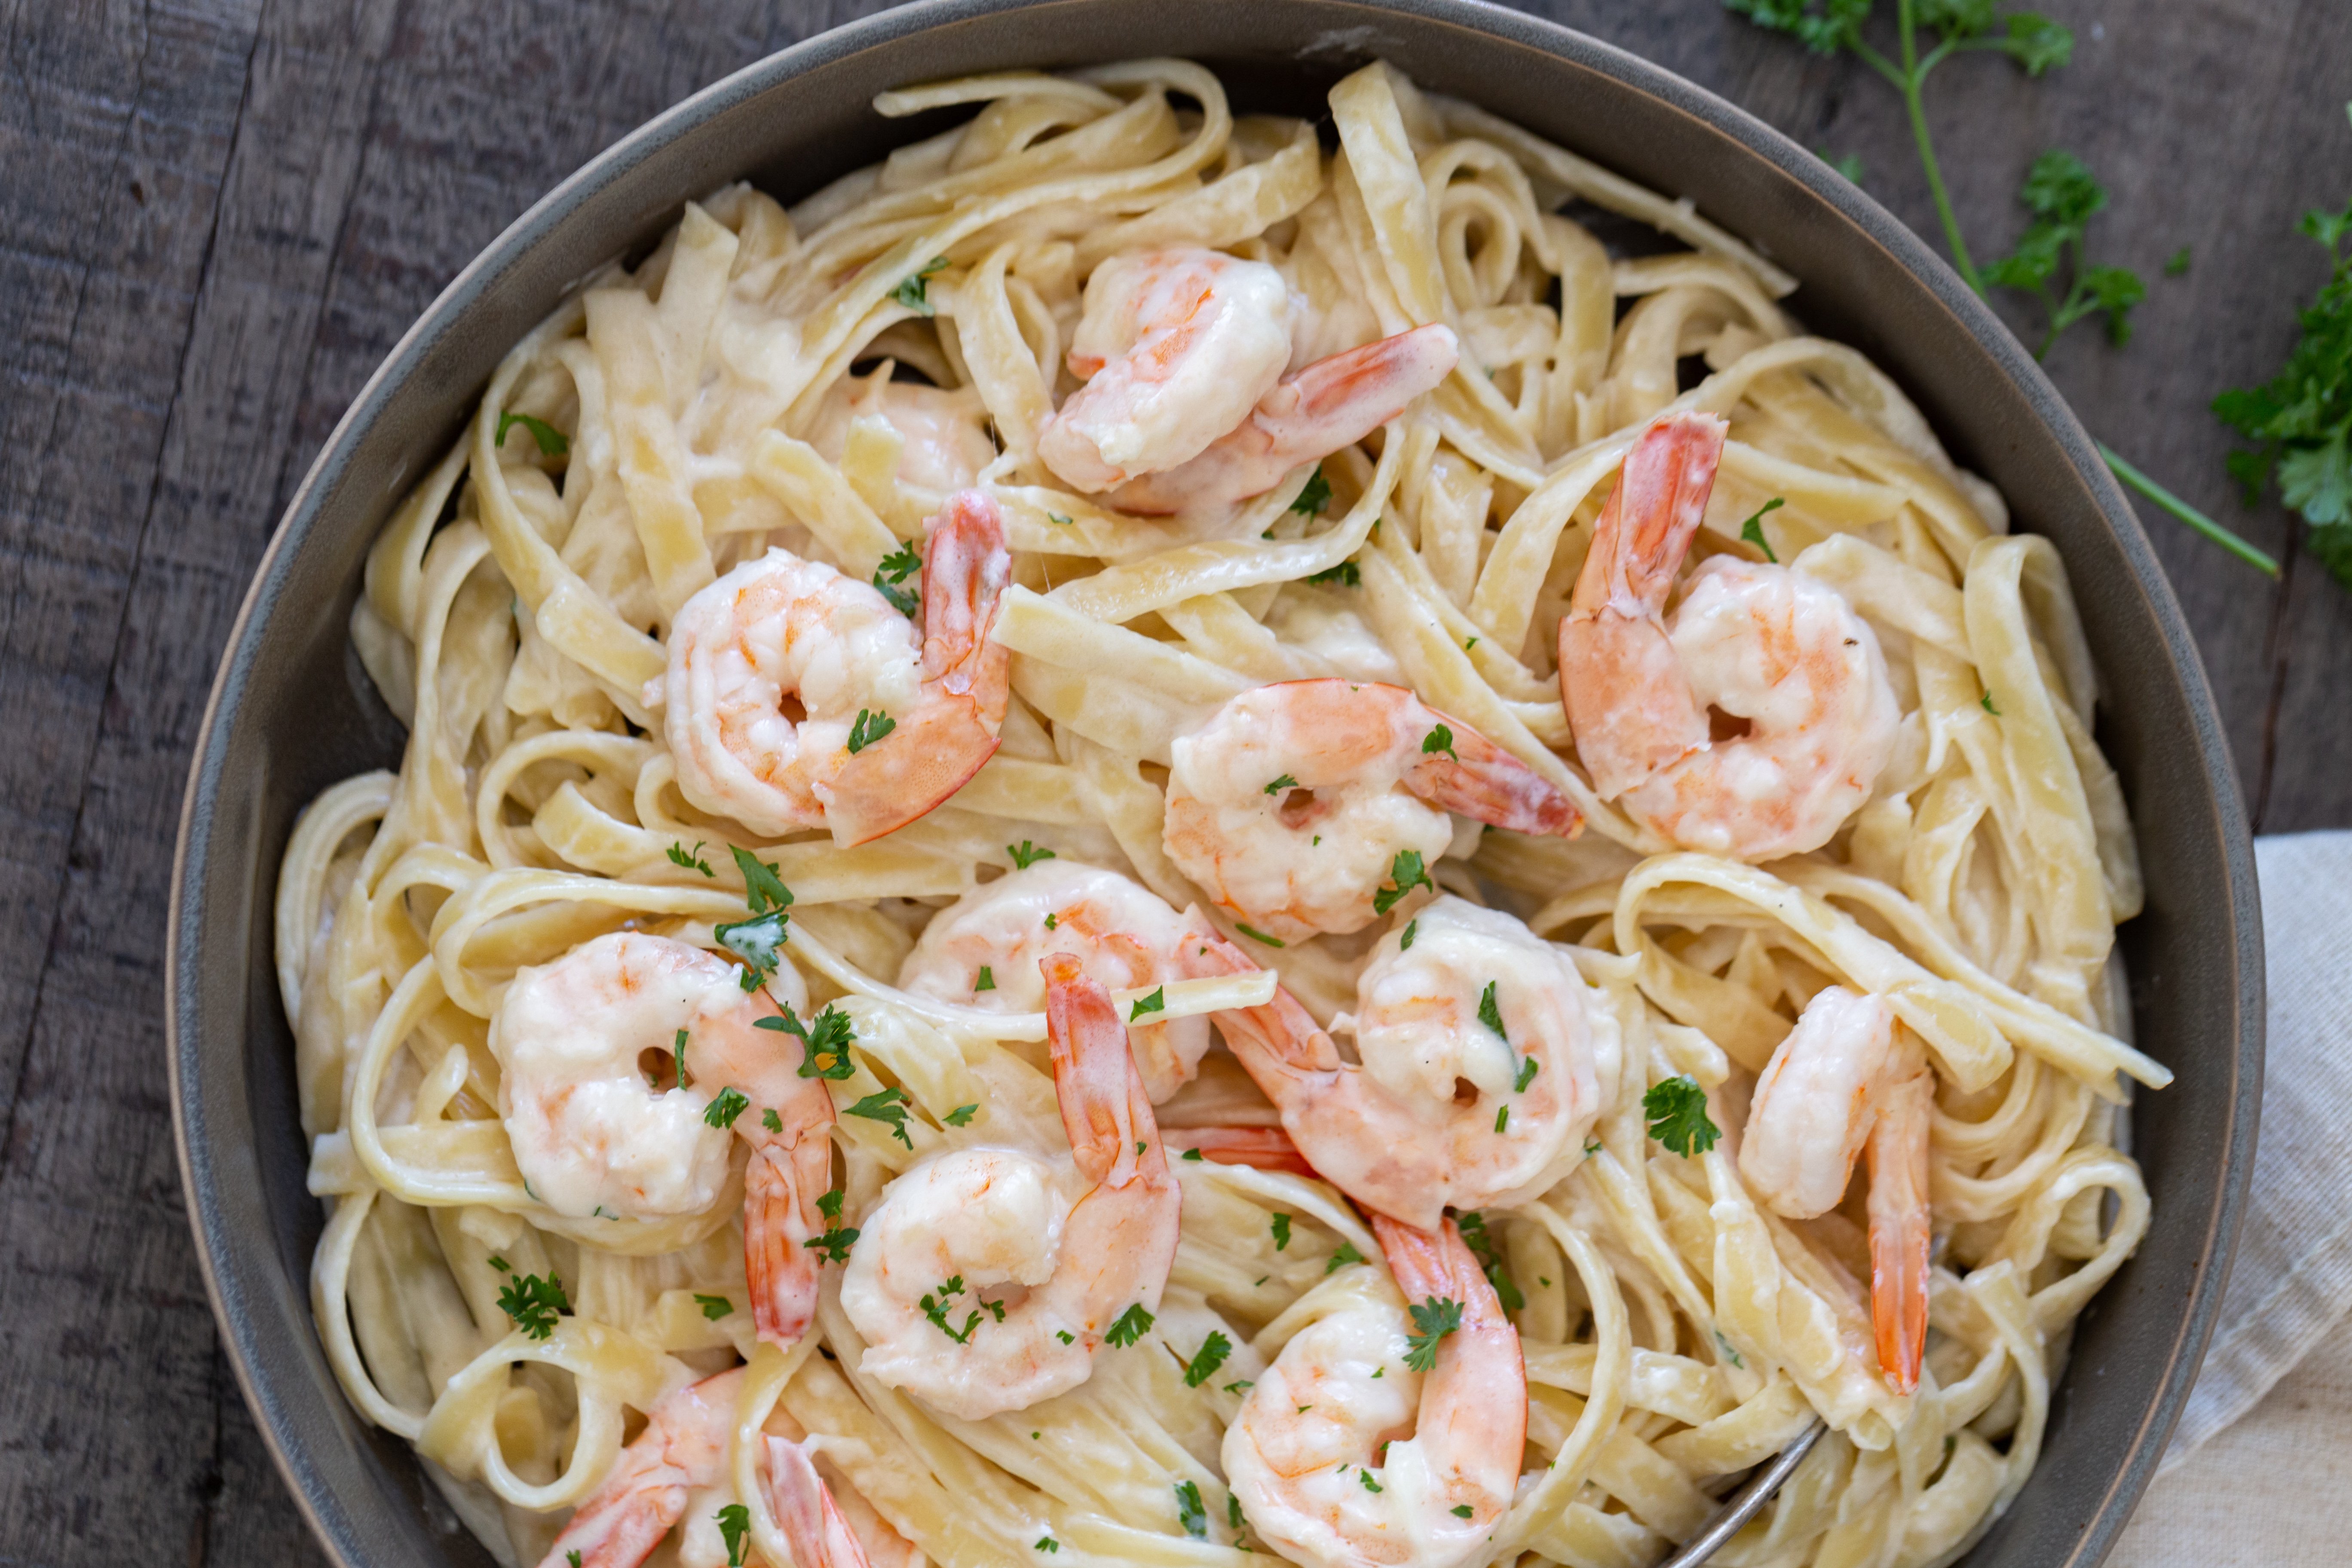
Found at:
(1432, 1320)
(533, 1301)
(2062, 194)
(1365, 1476)
(833, 1246)
(1489, 1014)
(1439, 743)
(1405, 874)
(1026, 854)
(1213, 1353)
(1752, 531)
(1191, 1512)
(2301, 420)
(690, 859)
(962, 1115)
(1046, 1543)
(913, 289)
(1462, 1510)
(1240, 1385)
(887, 1106)
(1412, 928)
(734, 1527)
(1155, 1003)
(1314, 495)
(869, 728)
(723, 1111)
(1284, 782)
(1256, 935)
(713, 1307)
(1985, 703)
(1347, 575)
(1132, 1325)
(552, 443)
(1234, 1509)
(824, 1040)
(763, 886)
(1345, 1256)
(1281, 1226)
(1730, 1354)
(984, 981)
(1472, 1223)
(1676, 1109)
(758, 941)
(892, 573)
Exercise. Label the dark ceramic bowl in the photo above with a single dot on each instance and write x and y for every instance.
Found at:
(291, 711)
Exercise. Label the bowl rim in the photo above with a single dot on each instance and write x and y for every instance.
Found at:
(196, 1163)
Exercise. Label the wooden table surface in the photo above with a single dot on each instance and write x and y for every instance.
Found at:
(217, 216)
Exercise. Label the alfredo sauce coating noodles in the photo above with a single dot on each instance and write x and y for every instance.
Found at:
(1140, 840)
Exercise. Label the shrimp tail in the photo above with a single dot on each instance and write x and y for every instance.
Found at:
(781, 1187)
(1899, 1230)
(1331, 404)
(930, 754)
(1279, 1044)
(1261, 1148)
(644, 1492)
(804, 1507)
(1630, 709)
(1476, 1395)
(1481, 780)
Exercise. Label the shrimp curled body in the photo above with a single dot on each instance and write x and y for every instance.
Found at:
(1763, 644)
(1315, 1454)
(780, 634)
(1290, 805)
(1479, 1073)
(986, 1279)
(982, 950)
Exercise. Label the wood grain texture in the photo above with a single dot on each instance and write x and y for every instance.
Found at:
(217, 216)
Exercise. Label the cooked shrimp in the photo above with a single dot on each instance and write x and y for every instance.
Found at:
(1175, 347)
(682, 1448)
(1835, 1084)
(592, 1135)
(1315, 1454)
(781, 672)
(982, 950)
(944, 432)
(1331, 404)
(993, 1235)
(812, 1523)
(1290, 805)
(1183, 352)
(1446, 1108)
(1765, 645)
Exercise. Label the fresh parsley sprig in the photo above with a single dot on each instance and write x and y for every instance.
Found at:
(914, 289)
(2062, 194)
(887, 1106)
(1432, 1320)
(1132, 1325)
(824, 1040)
(533, 1301)
(1405, 873)
(1676, 1109)
(759, 941)
(890, 577)
(1203, 1365)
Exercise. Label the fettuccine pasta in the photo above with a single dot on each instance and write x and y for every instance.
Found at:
(1067, 387)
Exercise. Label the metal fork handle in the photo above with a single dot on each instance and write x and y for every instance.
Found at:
(1742, 1505)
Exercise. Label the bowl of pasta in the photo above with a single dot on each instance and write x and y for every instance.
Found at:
(1107, 782)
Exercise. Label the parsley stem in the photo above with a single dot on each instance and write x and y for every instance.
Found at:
(2188, 514)
(1912, 78)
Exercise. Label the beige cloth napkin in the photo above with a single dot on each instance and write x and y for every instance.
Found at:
(2259, 1466)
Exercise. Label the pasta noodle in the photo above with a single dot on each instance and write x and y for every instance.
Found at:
(677, 419)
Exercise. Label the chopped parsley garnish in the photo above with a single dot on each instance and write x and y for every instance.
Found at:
(887, 1106)
(1481, 1243)
(1730, 1354)
(1132, 1325)
(1025, 854)
(1432, 1320)
(1347, 575)
(1490, 1013)
(1676, 1108)
(835, 1244)
(1189, 1511)
(1412, 928)
(1405, 874)
(764, 885)
(962, 1115)
(759, 941)
(1345, 1256)
(500, 1264)
(1314, 495)
(1057, 517)
(1591, 1147)
(573, 1558)
(1439, 743)
(869, 728)
(771, 1121)
(824, 1040)
(534, 1301)
(1066, 1336)
(1527, 1070)
(1191, 1155)
(1047, 1544)
(1240, 1385)
(1985, 703)
(1256, 935)
(913, 291)
(723, 1111)
(552, 443)
(1234, 1509)
(1502, 1119)
(1284, 782)
(1155, 1003)
(1052, 920)
(1281, 1226)
(713, 1307)
(690, 859)
(936, 1309)
(985, 982)
(735, 1528)
(1462, 1510)
(1213, 1353)
(1365, 1476)
(890, 576)
(1752, 531)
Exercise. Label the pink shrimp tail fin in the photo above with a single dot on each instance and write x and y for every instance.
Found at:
(616, 1528)
(1277, 1043)
(780, 1216)
(804, 1509)
(1629, 707)
(1261, 1148)
(930, 754)
(644, 1492)
(1899, 1230)
(1333, 403)
(1104, 1110)
(1482, 781)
